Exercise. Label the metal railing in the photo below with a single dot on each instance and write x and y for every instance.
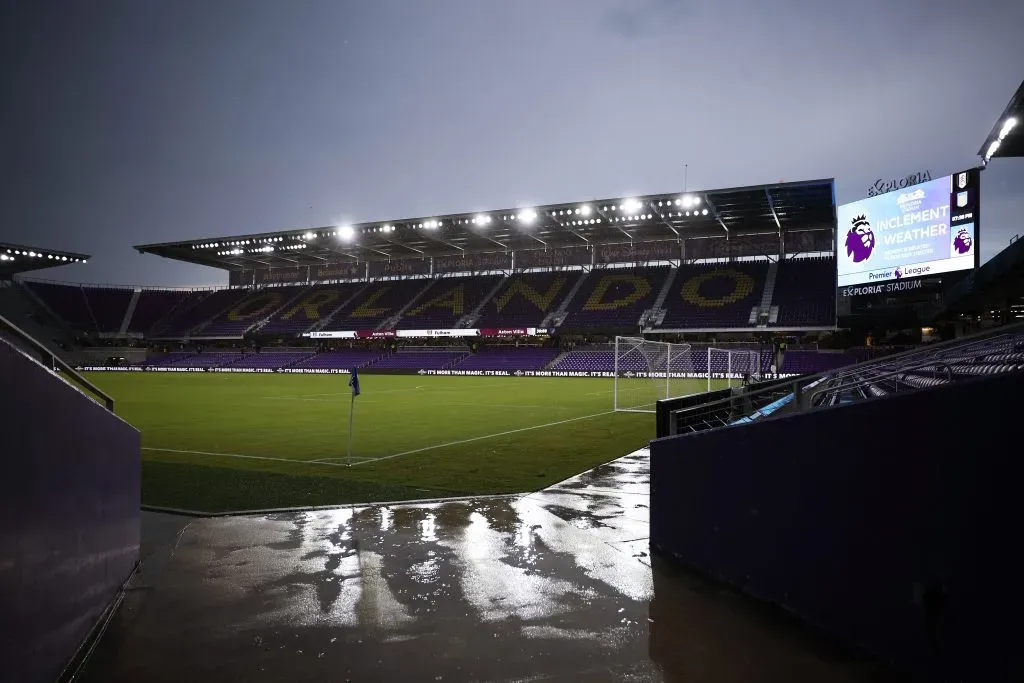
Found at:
(820, 395)
(54, 362)
(728, 410)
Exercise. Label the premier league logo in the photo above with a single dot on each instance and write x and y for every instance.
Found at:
(860, 240)
(961, 199)
(961, 180)
(963, 241)
(899, 273)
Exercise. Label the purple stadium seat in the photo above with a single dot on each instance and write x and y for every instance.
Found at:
(259, 304)
(313, 306)
(375, 304)
(153, 305)
(340, 360)
(525, 300)
(446, 301)
(420, 360)
(199, 308)
(615, 297)
(714, 296)
(805, 293)
(523, 358)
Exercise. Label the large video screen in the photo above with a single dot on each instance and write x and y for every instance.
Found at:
(923, 230)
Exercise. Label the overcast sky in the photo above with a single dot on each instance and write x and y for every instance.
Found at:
(137, 121)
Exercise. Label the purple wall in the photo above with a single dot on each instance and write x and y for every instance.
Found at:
(69, 532)
(899, 539)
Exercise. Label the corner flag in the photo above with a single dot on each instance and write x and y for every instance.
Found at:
(353, 382)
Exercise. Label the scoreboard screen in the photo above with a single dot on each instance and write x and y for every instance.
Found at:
(922, 231)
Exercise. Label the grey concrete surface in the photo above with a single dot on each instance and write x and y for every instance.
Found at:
(552, 586)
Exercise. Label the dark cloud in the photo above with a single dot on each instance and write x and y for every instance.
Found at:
(137, 121)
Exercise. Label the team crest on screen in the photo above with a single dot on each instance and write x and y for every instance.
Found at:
(961, 199)
(961, 180)
(963, 241)
(860, 240)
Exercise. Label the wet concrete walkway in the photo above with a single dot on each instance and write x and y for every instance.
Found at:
(552, 586)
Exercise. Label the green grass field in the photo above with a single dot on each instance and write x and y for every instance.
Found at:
(217, 442)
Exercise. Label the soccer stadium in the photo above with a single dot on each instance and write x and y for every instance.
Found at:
(527, 403)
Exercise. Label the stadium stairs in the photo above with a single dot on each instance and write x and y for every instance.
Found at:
(233, 299)
(69, 535)
(357, 292)
(876, 507)
(290, 303)
(394, 320)
(467, 320)
(133, 303)
(558, 316)
(162, 320)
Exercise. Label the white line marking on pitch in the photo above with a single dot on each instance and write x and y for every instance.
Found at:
(486, 436)
(239, 455)
(309, 397)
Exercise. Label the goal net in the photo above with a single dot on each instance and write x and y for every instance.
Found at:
(647, 371)
(732, 367)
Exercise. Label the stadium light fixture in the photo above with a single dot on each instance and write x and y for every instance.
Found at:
(481, 219)
(1008, 125)
(309, 236)
(631, 205)
(346, 232)
(584, 210)
(527, 216)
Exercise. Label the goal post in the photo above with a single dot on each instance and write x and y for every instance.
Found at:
(733, 366)
(648, 371)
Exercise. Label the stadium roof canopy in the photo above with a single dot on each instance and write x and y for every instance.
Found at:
(1007, 137)
(18, 258)
(712, 213)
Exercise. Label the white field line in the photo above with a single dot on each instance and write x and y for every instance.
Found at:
(239, 455)
(422, 387)
(400, 402)
(481, 438)
(330, 461)
(299, 397)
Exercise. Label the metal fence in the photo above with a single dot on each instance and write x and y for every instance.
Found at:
(989, 352)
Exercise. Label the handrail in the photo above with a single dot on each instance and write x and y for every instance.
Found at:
(933, 350)
(868, 380)
(55, 362)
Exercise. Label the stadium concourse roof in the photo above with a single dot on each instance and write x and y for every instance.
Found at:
(18, 258)
(710, 213)
(1006, 139)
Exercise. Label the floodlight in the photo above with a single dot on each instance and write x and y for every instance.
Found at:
(630, 205)
(704, 212)
(696, 201)
(585, 210)
(346, 232)
(481, 219)
(1008, 125)
(528, 216)
(308, 236)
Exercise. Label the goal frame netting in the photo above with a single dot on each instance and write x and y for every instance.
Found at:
(739, 363)
(662, 361)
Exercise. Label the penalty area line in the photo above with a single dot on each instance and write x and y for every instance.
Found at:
(481, 438)
(245, 457)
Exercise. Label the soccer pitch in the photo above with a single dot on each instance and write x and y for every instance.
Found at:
(216, 442)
